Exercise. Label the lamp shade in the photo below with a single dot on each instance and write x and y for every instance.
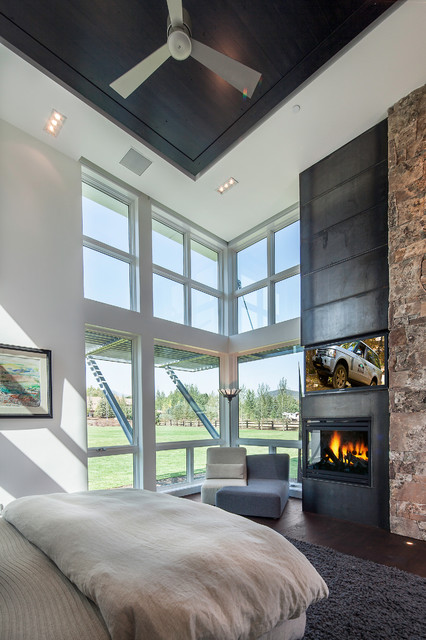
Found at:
(229, 393)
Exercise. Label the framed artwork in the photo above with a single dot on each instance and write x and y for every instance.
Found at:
(25, 382)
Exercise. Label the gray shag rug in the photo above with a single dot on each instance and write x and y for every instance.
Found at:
(367, 601)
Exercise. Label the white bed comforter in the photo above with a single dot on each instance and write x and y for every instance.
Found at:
(161, 567)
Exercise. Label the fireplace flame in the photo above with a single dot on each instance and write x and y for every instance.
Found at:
(348, 450)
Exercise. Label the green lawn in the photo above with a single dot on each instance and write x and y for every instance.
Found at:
(117, 471)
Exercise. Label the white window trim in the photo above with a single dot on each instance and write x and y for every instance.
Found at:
(267, 230)
(185, 279)
(131, 257)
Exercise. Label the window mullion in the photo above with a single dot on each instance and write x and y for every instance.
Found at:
(171, 275)
(288, 273)
(108, 250)
(271, 269)
(187, 274)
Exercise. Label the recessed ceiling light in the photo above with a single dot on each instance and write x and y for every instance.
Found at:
(54, 123)
(227, 185)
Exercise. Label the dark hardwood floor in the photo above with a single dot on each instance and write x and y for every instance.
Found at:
(370, 543)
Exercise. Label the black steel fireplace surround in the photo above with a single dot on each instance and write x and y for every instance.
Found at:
(338, 450)
(345, 293)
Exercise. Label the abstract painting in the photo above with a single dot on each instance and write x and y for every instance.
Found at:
(25, 382)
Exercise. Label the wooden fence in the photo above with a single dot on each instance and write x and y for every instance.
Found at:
(265, 425)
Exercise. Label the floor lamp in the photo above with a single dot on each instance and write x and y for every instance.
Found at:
(229, 394)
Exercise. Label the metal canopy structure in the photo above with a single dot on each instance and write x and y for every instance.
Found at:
(270, 353)
(104, 346)
(182, 360)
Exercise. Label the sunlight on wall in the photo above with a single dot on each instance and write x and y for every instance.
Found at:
(73, 414)
(11, 332)
(52, 457)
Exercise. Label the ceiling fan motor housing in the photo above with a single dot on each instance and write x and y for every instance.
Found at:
(179, 38)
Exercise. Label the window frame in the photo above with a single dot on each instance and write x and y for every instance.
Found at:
(134, 448)
(129, 257)
(284, 219)
(189, 233)
(271, 444)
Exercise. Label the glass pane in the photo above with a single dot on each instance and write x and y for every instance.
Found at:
(200, 462)
(205, 311)
(110, 472)
(287, 299)
(186, 395)
(105, 218)
(253, 310)
(112, 364)
(171, 467)
(252, 264)
(287, 247)
(294, 461)
(167, 247)
(106, 279)
(204, 263)
(168, 299)
(270, 408)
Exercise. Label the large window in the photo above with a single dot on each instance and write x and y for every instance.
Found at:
(269, 402)
(267, 286)
(186, 412)
(111, 437)
(108, 253)
(186, 277)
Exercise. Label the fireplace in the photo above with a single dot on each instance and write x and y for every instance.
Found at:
(338, 450)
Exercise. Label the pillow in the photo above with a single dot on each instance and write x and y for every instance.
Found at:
(222, 470)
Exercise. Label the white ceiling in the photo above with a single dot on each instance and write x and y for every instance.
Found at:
(349, 96)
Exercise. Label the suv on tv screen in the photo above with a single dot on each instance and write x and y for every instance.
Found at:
(351, 362)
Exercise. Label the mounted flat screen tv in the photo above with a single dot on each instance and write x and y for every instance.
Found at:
(349, 364)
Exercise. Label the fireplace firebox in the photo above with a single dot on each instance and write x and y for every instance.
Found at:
(338, 449)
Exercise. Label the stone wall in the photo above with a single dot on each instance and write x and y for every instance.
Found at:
(407, 315)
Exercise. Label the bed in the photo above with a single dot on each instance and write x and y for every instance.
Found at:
(130, 564)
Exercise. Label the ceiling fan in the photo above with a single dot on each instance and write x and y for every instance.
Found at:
(180, 45)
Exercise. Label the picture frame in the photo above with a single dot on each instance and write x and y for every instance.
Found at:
(25, 382)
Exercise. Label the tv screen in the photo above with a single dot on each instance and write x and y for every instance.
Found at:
(360, 362)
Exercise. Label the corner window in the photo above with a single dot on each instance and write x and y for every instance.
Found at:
(287, 299)
(186, 276)
(267, 287)
(253, 310)
(269, 403)
(252, 263)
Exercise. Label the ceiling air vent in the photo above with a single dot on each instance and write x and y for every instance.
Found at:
(135, 162)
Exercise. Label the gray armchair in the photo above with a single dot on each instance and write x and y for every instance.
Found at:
(226, 466)
(266, 492)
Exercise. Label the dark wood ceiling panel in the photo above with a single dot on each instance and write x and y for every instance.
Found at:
(186, 112)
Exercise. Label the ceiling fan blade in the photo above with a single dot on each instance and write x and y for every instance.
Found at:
(175, 12)
(241, 77)
(132, 79)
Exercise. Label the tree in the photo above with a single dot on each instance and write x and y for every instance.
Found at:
(93, 392)
(264, 403)
(103, 410)
(248, 405)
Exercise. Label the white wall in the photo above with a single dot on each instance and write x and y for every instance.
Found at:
(41, 305)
